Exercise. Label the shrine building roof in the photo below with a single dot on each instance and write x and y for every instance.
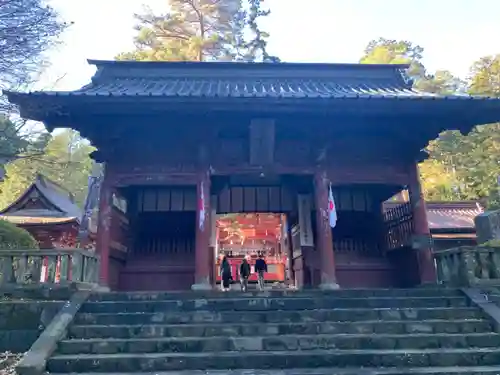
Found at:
(120, 87)
(449, 216)
(43, 202)
(226, 79)
(233, 79)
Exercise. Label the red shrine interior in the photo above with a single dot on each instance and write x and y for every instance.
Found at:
(240, 236)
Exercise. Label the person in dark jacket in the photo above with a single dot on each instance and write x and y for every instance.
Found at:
(244, 274)
(225, 272)
(261, 268)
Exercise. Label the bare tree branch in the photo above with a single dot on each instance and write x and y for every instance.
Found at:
(28, 29)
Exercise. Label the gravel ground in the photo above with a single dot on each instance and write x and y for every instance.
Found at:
(8, 362)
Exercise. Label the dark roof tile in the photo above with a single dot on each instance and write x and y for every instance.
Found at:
(266, 88)
(252, 80)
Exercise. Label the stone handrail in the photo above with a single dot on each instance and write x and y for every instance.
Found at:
(468, 266)
(48, 266)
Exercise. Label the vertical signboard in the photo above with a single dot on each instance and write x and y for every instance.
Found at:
(305, 224)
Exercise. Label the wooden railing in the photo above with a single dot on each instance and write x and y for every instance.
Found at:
(468, 266)
(49, 266)
(398, 223)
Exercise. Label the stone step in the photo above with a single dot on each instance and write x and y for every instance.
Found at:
(337, 315)
(272, 360)
(278, 343)
(351, 293)
(259, 304)
(476, 370)
(308, 328)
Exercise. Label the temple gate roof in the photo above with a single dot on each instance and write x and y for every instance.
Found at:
(230, 86)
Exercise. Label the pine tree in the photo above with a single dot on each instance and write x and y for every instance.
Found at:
(201, 30)
(257, 46)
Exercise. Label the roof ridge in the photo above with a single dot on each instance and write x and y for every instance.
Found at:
(245, 65)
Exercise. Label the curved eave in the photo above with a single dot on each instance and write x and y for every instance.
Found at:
(45, 221)
(463, 112)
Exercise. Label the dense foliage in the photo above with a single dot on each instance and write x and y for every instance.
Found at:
(201, 30)
(65, 159)
(459, 167)
(13, 237)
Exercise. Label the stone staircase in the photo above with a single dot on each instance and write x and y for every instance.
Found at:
(362, 332)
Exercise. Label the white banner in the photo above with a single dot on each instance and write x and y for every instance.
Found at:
(305, 224)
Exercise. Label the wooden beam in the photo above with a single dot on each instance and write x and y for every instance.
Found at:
(262, 142)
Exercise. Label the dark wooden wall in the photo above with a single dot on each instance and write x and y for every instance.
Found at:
(358, 241)
(364, 154)
(251, 199)
(161, 255)
(165, 199)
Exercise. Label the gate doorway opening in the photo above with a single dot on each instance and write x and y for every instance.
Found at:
(161, 237)
(249, 235)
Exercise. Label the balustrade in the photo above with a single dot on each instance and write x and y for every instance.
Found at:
(468, 266)
(48, 266)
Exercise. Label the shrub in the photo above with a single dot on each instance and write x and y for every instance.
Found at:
(13, 237)
(491, 243)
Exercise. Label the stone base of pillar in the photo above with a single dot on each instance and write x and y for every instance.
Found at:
(429, 285)
(201, 286)
(329, 286)
(101, 289)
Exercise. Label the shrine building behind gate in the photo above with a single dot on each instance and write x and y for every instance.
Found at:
(183, 142)
(48, 212)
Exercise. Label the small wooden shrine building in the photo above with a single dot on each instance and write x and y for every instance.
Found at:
(184, 141)
(48, 212)
(451, 224)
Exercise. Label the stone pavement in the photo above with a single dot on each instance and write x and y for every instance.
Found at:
(345, 332)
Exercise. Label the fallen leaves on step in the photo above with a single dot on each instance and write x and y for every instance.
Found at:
(8, 363)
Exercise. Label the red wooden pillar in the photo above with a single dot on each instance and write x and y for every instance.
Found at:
(203, 229)
(103, 238)
(422, 234)
(324, 240)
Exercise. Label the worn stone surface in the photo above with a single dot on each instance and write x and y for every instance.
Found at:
(260, 304)
(308, 328)
(333, 315)
(482, 370)
(34, 361)
(21, 322)
(278, 359)
(352, 330)
(279, 343)
(469, 266)
(341, 293)
(487, 226)
(39, 292)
